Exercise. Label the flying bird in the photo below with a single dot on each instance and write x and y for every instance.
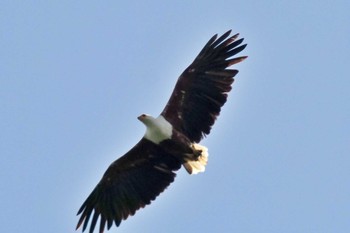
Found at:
(171, 139)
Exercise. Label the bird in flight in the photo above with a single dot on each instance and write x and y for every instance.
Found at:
(171, 139)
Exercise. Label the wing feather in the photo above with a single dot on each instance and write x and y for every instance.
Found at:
(202, 88)
(130, 183)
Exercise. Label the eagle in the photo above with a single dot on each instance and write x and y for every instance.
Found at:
(171, 139)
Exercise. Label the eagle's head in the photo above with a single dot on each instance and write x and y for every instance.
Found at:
(147, 120)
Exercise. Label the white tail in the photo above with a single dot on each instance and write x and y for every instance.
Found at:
(196, 166)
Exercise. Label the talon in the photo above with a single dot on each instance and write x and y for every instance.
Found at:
(197, 154)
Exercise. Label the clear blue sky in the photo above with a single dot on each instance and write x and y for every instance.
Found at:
(76, 74)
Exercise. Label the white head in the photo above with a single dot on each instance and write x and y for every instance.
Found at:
(146, 119)
(158, 129)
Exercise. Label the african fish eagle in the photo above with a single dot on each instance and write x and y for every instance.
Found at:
(171, 139)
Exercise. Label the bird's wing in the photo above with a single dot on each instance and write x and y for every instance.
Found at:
(129, 184)
(202, 88)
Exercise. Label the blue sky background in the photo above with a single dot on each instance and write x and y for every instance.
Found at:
(76, 74)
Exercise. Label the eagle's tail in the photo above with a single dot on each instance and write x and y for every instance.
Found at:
(198, 164)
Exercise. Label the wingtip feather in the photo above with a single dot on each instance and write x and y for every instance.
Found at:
(237, 60)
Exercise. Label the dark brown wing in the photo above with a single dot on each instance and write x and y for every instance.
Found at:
(129, 184)
(202, 88)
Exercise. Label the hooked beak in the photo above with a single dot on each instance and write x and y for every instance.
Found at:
(141, 117)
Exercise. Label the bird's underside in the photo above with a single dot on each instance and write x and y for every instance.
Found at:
(171, 140)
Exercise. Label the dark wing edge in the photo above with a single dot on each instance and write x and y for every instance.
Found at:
(130, 183)
(202, 88)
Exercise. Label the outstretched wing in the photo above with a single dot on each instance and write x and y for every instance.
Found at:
(202, 88)
(130, 183)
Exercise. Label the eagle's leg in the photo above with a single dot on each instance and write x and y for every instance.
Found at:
(196, 161)
(196, 152)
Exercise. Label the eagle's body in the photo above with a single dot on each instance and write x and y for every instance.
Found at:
(193, 156)
(138, 177)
